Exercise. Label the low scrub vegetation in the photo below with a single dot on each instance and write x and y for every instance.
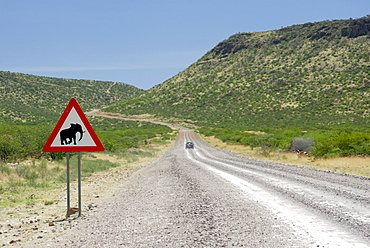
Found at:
(19, 142)
(119, 135)
(24, 168)
(319, 143)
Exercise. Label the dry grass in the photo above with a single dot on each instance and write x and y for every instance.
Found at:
(359, 166)
(32, 181)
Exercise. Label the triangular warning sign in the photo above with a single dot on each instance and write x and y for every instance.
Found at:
(73, 133)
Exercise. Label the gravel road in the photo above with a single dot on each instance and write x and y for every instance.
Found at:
(207, 197)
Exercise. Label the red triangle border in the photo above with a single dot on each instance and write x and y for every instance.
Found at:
(73, 104)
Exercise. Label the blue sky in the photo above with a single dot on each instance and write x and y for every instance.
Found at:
(140, 42)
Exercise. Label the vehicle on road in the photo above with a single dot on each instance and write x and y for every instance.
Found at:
(189, 145)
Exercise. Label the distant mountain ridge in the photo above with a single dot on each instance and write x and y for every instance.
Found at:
(314, 74)
(35, 99)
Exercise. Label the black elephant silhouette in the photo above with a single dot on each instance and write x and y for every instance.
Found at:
(68, 135)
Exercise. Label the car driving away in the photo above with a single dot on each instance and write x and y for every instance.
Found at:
(189, 145)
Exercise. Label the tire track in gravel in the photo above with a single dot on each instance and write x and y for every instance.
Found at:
(329, 209)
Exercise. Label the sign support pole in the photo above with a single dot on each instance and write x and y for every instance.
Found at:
(79, 184)
(68, 187)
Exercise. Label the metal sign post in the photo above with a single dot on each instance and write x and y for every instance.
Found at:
(68, 187)
(79, 185)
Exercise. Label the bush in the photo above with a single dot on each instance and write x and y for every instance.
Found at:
(19, 142)
(26, 172)
(302, 144)
(5, 169)
(341, 143)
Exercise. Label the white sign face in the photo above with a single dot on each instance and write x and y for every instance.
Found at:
(73, 132)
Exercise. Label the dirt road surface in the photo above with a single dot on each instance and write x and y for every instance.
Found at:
(207, 197)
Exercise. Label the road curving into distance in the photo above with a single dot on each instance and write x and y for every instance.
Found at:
(207, 197)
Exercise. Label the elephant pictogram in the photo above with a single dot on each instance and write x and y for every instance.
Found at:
(68, 135)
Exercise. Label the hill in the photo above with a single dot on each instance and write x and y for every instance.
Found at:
(309, 75)
(34, 99)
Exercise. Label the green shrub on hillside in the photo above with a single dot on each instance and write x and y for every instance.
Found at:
(36, 99)
(314, 75)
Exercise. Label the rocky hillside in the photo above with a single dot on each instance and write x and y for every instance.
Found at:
(314, 74)
(34, 99)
